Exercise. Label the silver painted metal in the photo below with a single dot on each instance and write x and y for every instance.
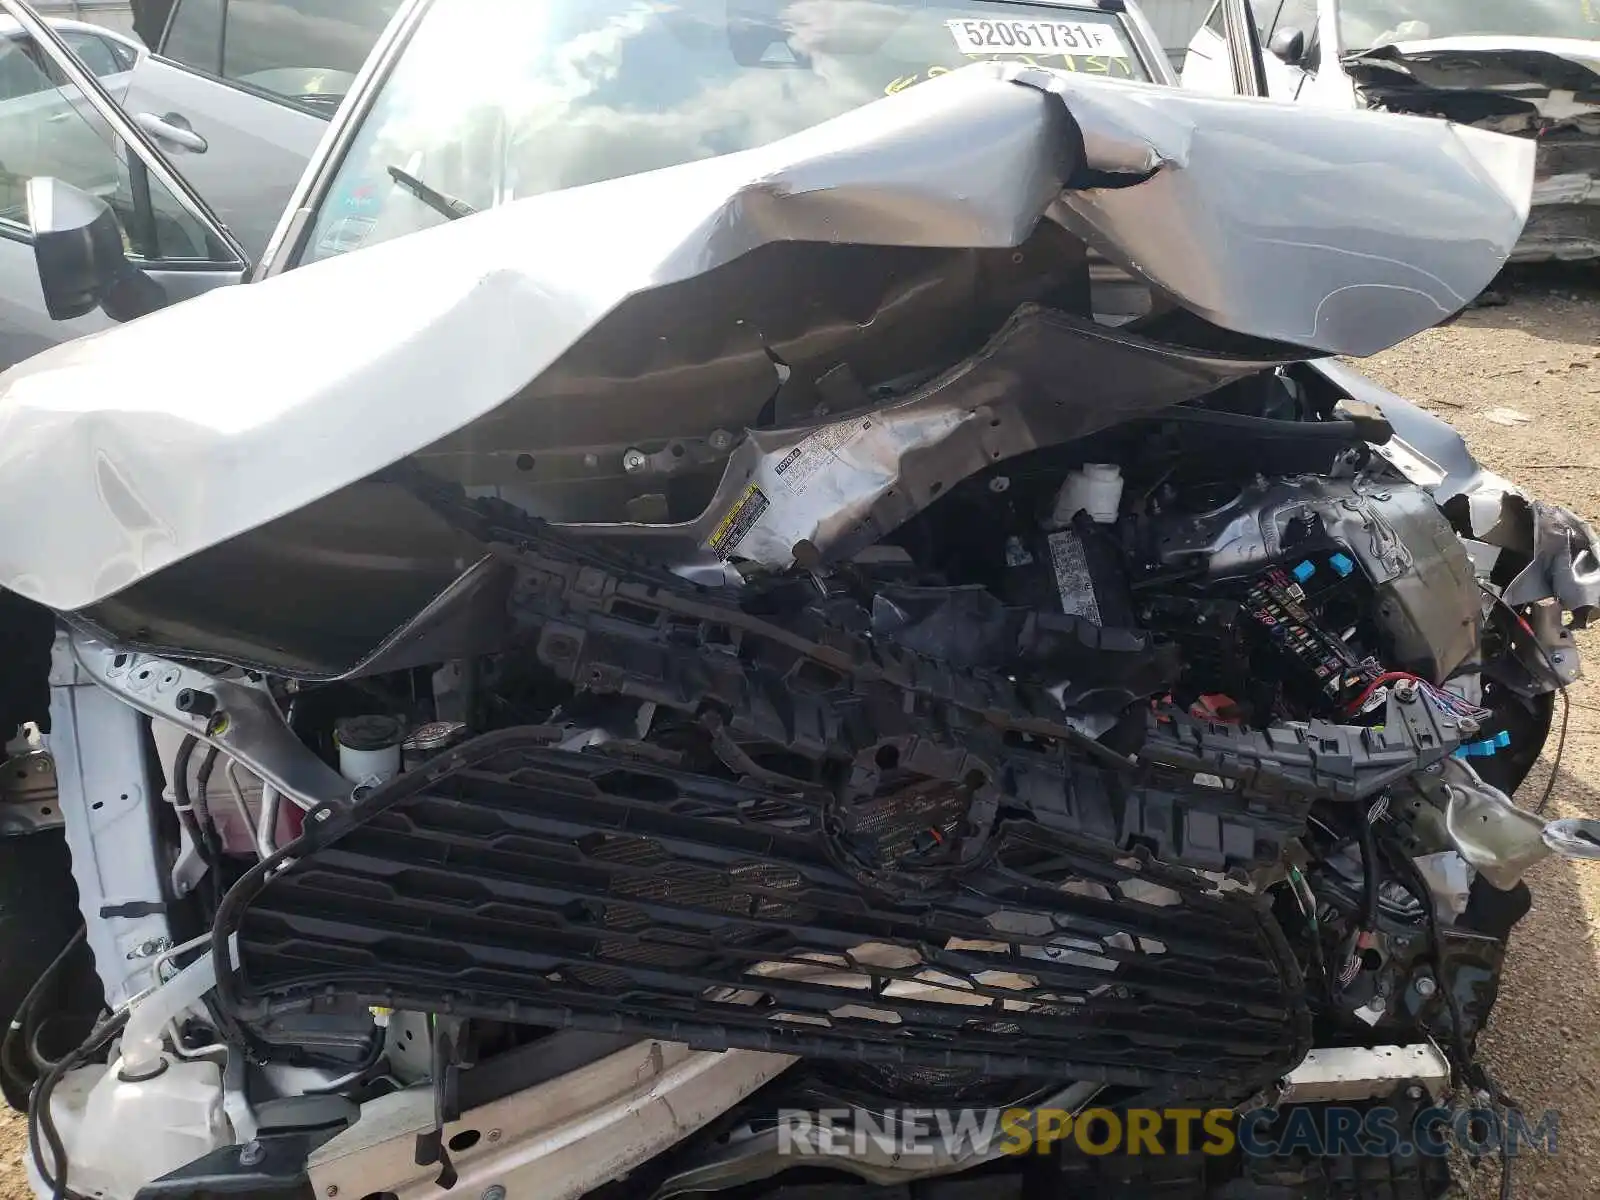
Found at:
(1356, 1073)
(493, 304)
(103, 777)
(584, 1128)
(244, 722)
(1500, 840)
(28, 794)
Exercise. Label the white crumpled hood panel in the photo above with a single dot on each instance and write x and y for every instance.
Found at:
(125, 452)
(1584, 53)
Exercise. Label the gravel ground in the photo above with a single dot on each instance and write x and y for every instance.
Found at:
(1538, 358)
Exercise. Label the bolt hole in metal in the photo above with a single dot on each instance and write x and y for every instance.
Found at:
(525, 462)
(465, 1140)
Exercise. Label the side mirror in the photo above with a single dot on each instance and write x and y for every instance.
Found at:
(77, 246)
(77, 249)
(1289, 44)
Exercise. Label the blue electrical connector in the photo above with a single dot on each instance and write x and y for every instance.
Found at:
(1341, 563)
(1487, 748)
(1304, 571)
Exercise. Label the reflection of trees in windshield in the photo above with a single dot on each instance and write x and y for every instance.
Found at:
(491, 102)
(1367, 23)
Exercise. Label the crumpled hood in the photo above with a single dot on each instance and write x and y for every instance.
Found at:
(1336, 232)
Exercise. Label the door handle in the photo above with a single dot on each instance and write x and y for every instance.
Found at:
(172, 129)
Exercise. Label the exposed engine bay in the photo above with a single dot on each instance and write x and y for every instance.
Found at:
(1120, 771)
(990, 694)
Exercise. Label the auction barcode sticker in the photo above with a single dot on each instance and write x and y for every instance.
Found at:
(1036, 37)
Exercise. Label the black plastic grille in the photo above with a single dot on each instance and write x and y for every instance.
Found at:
(520, 882)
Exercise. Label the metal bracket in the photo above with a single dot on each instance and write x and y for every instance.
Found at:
(1354, 1073)
(585, 1128)
(28, 794)
(97, 745)
(1500, 840)
(234, 713)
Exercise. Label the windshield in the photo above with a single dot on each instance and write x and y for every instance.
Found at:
(1364, 24)
(492, 101)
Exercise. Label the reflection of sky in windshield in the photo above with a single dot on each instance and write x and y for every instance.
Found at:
(491, 101)
(264, 35)
(1367, 23)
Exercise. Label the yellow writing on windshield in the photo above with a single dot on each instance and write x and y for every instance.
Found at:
(1088, 64)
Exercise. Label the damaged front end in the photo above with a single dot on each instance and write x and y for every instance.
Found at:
(1550, 95)
(914, 635)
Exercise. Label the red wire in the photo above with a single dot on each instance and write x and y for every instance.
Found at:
(1386, 677)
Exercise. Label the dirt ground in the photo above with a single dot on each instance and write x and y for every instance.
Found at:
(1539, 358)
(13, 1145)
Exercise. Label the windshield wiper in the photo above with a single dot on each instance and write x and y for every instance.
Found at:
(442, 203)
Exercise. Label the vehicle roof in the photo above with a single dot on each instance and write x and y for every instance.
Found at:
(9, 27)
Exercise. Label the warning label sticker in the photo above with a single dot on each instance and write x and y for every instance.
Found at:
(805, 461)
(741, 519)
(1073, 581)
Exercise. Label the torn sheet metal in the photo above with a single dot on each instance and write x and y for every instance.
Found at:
(153, 444)
(836, 488)
(1500, 840)
(1552, 75)
(1486, 509)
(1566, 561)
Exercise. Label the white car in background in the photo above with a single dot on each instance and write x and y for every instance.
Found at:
(235, 96)
(45, 123)
(105, 52)
(1526, 67)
